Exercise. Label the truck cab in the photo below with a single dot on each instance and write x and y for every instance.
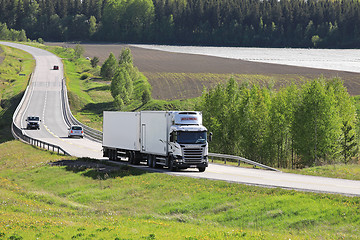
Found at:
(188, 143)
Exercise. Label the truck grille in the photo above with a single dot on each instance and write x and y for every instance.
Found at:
(193, 155)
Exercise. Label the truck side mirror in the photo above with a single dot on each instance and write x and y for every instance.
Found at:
(210, 136)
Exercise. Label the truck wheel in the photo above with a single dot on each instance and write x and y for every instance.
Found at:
(171, 164)
(202, 169)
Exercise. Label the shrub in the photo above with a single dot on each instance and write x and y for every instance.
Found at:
(85, 76)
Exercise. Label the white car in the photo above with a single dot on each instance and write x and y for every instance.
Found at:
(76, 131)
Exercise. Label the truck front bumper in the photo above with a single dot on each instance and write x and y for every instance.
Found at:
(182, 165)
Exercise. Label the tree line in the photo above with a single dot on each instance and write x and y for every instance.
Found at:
(296, 126)
(265, 23)
(11, 34)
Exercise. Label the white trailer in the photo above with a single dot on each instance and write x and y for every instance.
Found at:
(173, 139)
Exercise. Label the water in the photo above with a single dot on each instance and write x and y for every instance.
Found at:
(332, 59)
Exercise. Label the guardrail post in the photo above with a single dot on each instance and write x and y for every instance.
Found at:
(224, 160)
(238, 163)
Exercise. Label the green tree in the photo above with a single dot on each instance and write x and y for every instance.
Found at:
(94, 62)
(317, 124)
(92, 26)
(108, 68)
(22, 36)
(125, 57)
(347, 113)
(119, 103)
(254, 123)
(78, 51)
(121, 85)
(348, 142)
(146, 96)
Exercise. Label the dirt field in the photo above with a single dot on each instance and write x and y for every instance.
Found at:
(178, 76)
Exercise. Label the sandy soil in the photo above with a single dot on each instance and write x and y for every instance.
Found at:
(154, 63)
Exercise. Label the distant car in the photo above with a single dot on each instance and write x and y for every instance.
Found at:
(56, 67)
(33, 122)
(76, 131)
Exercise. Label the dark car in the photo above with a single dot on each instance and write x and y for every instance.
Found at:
(33, 122)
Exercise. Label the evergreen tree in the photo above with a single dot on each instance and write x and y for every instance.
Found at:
(146, 96)
(108, 68)
(121, 85)
(94, 62)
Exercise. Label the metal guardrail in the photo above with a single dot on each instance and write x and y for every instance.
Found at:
(18, 134)
(71, 120)
(240, 159)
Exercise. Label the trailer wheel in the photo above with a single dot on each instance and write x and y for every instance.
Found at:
(137, 158)
(131, 157)
(115, 155)
(149, 160)
(110, 154)
(202, 169)
(153, 165)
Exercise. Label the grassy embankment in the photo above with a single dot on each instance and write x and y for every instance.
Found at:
(12, 85)
(52, 202)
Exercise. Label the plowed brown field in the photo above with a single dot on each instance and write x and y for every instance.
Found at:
(179, 76)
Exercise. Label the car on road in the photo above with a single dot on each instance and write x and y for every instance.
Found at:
(56, 67)
(33, 122)
(76, 131)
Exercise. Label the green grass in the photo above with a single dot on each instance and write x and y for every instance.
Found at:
(54, 202)
(349, 171)
(12, 85)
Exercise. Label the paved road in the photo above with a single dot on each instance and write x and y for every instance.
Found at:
(45, 101)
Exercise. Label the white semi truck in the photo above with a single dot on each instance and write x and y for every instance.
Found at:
(172, 139)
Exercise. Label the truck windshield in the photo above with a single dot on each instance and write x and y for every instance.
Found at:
(191, 137)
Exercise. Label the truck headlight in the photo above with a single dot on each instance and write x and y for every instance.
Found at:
(179, 158)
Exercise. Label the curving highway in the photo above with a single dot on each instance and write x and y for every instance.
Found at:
(45, 100)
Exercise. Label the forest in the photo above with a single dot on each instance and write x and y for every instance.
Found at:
(260, 23)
